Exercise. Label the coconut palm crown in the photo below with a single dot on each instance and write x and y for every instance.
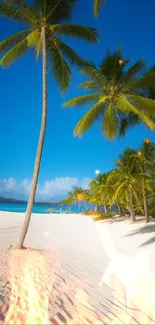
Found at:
(52, 15)
(117, 92)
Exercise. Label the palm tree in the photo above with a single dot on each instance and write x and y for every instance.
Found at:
(78, 194)
(143, 163)
(125, 179)
(151, 203)
(45, 24)
(115, 92)
(87, 198)
(146, 165)
(97, 6)
(99, 190)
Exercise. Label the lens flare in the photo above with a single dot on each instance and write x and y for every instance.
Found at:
(129, 277)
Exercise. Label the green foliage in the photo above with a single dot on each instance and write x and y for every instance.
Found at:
(88, 119)
(83, 32)
(130, 186)
(118, 96)
(97, 6)
(104, 216)
(49, 14)
(82, 100)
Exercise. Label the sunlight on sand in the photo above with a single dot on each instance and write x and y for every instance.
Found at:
(94, 273)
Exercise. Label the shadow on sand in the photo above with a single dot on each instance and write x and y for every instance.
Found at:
(112, 220)
(117, 219)
(148, 229)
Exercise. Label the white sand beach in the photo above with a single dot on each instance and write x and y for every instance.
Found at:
(78, 272)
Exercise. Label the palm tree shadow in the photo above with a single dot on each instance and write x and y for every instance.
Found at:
(144, 230)
(119, 219)
(148, 242)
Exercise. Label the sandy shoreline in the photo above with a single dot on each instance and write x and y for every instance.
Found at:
(70, 258)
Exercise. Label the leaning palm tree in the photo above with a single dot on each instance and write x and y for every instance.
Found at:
(45, 20)
(97, 6)
(115, 93)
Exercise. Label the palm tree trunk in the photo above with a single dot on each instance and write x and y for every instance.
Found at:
(145, 202)
(39, 149)
(119, 209)
(96, 208)
(131, 206)
(105, 209)
(86, 206)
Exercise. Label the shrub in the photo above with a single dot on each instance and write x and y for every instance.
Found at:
(104, 216)
(91, 213)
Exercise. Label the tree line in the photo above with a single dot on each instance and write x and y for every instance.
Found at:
(128, 187)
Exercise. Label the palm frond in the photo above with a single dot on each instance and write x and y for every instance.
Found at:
(89, 118)
(144, 82)
(82, 100)
(109, 123)
(18, 50)
(24, 9)
(90, 85)
(71, 55)
(83, 32)
(151, 90)
(143, 104)
(111, 68)
(118, 190)
(126, 122)
(9, 11)
(94, 74)
(13, 40)
(15, 53)
(59, 66)
(33, 38)
(127, 108)
(133, 71)
(97, 6)
(56, 10)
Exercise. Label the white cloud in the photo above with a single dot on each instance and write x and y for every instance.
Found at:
(50, 190)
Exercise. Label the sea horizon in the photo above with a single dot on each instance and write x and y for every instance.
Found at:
(41, 208)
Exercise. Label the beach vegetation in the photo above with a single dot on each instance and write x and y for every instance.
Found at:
(128, 189)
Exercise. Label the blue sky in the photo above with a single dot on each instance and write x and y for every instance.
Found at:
(67, 161)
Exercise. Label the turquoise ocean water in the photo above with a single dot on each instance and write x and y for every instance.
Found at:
(21, 207)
